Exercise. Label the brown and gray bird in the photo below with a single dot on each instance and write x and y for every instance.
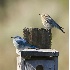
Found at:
(49, 23)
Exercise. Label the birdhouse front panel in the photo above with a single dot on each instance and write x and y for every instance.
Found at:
(41, 59)
(44, 64)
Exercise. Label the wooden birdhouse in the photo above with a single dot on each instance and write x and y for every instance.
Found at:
(43, 58)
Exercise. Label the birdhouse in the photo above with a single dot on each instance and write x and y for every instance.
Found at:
(40, 59)
(43, 58)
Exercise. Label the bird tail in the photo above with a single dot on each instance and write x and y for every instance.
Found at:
(61, 29)
(32, 46)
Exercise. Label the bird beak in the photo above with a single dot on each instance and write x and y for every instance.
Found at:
(39, 14)
(12, 37)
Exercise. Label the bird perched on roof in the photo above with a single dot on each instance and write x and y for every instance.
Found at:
(49, 23)
(21, 43)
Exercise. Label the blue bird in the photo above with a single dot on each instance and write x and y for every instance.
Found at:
(49, 23)
(21, 43)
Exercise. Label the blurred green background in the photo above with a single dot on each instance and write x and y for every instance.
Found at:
(17, 14)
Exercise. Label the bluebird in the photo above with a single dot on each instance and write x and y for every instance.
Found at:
(49, 23)
(21, 43)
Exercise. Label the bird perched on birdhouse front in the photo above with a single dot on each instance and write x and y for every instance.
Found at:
(49, 23)
(21, 43)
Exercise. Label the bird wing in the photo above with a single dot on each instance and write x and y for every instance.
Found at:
(24, 40)
(54, 24)
(21, 42)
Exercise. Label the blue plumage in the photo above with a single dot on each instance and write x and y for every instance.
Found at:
(20, 43)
